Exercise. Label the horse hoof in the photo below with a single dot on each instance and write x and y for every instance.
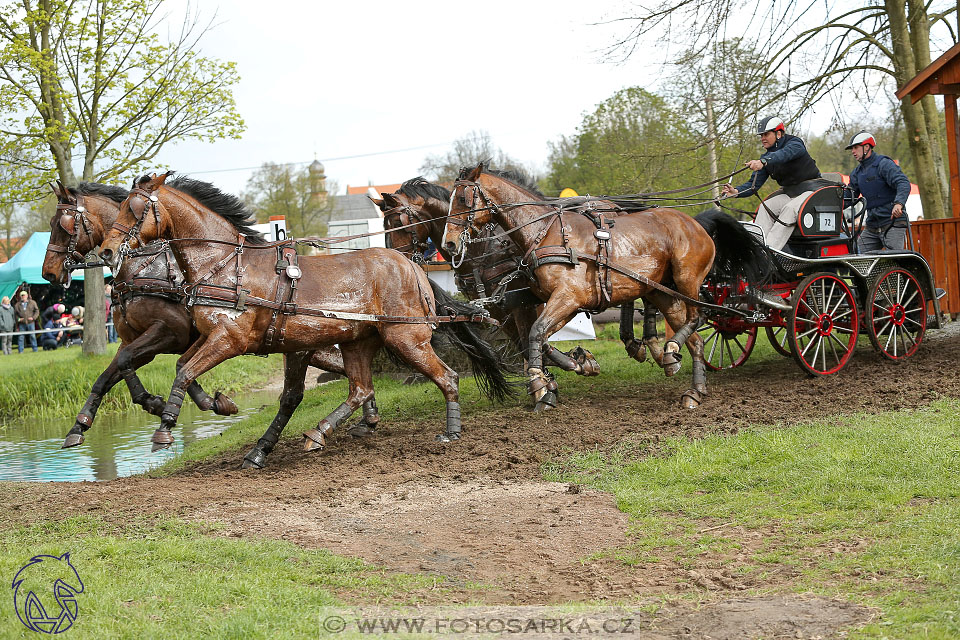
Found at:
(588, 363)
(162, 436)
(158, 446)
(313, 440)
(223, 405)
(671, 369)
(362, 430)
(691, 399)
(256, 459)
(637, 350)
(72, 440)
(547, 402)
(448, 437)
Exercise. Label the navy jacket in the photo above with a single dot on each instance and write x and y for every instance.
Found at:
(881, 182)
(788, 162)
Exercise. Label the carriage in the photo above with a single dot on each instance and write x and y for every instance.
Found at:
(834, 297)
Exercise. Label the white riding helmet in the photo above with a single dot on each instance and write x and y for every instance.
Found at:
(861, 138)
(770, 123)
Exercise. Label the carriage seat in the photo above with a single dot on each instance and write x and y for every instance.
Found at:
(819, 231)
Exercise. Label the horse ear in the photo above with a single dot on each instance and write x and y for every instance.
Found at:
(378, 202)
(475, 172)
(391, 200)
(55, 190)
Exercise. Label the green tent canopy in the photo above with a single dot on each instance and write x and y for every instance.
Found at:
(27, 265)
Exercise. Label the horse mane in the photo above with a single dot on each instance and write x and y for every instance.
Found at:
(518, 178)
(419, 187)
(227, 206)
(111, 192)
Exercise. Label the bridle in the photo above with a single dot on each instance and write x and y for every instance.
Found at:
(144, 200)
(70, 214)
(404, 214)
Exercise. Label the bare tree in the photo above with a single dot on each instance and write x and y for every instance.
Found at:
(818, 47)
(467, 151)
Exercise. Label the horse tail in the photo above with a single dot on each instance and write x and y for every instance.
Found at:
(739, 252)
(489, 368)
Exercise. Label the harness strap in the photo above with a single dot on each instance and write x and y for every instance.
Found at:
(209, 295)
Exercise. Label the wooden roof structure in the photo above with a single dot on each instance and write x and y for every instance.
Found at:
(942, 78)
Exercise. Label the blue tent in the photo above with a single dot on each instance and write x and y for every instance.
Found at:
(27, 264)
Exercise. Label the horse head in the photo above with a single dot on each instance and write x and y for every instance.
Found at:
(141, 219)
(407, 228)
(469, 210)
(75, 229)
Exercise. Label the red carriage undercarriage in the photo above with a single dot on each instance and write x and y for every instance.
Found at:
(833, 295)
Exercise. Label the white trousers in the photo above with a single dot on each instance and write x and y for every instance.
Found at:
(786, 209)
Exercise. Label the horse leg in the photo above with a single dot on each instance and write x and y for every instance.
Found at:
(541, 386)
(330, 359)
(107, 380)
(685, 319)
(635, 348)
(203, 355)
(412, 344)
(294, 373)
(158, 338)
(357, 364)
(220, 403)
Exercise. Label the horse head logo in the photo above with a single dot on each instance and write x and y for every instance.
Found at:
(45, 593)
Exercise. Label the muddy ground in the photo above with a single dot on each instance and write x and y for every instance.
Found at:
(479, 511)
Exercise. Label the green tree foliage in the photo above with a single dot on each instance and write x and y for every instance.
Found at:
(633, 142)
(467, 151)
(92, 85)
(301, 195)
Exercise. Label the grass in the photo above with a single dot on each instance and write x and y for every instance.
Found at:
(56, 383)
(164, 578)
(865, 507)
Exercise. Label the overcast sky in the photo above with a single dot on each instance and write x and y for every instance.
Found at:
(334, 80)
(395, 81)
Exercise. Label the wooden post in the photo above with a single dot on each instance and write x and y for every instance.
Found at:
(950, 107)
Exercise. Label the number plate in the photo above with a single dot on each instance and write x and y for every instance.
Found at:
(828, 222)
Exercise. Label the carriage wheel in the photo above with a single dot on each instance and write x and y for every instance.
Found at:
(897, 317)
(823, 325)
(725, 349)
(778, 338)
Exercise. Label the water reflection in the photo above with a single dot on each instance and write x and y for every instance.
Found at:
(116, 445)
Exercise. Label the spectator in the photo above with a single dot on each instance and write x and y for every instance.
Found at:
(51, 338)
(27, 314)
(75, 319)
(53, 312)
(108, 297)
(8, 322)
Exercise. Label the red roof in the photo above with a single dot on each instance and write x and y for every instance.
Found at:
(379, 188)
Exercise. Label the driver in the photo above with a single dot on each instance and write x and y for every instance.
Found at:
(787, 161)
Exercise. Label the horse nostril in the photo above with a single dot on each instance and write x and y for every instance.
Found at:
(450, 246)
(46, 275)
(106, 254)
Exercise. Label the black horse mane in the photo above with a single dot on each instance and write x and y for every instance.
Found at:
(117, 194)
(419, 187)
(518, 178)
(228, 206)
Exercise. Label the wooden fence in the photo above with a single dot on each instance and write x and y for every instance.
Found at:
(939, 242)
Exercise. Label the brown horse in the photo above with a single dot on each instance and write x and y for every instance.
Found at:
(417, 212)
(579, 261)
(249, 297)
(147, 312)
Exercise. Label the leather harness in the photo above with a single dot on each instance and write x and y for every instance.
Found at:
(537, 256)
